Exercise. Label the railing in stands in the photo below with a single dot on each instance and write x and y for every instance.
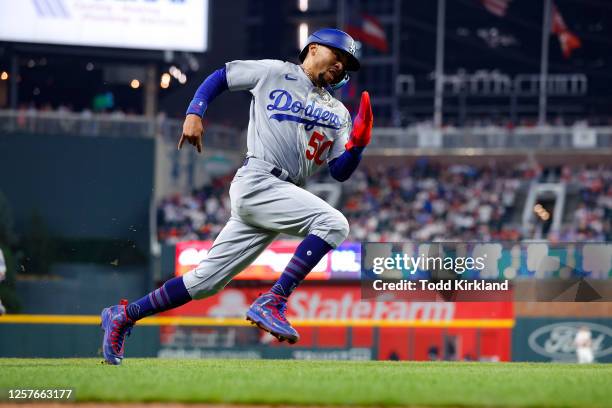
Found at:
(493, 137)
(223, 137)
(111, 125)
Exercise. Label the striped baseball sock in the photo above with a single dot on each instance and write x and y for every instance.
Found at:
(170, 295)
(307, 255)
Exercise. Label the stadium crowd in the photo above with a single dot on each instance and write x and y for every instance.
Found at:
(592, 219)
(428, 202)
(198, 216)
(422, 202)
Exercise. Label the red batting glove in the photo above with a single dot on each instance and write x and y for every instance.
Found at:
(362, 126)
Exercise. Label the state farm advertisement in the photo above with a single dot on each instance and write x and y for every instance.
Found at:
(342, 303)
(342, 263)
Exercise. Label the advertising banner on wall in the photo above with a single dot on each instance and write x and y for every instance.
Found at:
(335, 323)
(342, 302)
(562, 265)
(548, 339)
(342, 263)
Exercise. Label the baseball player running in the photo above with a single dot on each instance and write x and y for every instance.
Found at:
(295, 127)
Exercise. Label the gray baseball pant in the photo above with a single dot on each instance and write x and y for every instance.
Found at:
(262, 206)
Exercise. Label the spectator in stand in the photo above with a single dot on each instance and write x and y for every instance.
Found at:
(199, 216)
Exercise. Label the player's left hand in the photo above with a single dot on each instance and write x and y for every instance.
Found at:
(362, 126)
(192, 132)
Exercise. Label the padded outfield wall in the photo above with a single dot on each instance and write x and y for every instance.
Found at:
(98, 187)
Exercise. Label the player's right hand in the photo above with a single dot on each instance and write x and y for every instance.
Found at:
(192, 132)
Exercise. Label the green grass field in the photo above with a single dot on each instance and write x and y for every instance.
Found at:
(317, 382)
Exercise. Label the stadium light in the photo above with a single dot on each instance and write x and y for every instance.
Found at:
(165, 80)
(302, 35)
(4, 76)
(178, 75)
(135, 84)
(175, 72)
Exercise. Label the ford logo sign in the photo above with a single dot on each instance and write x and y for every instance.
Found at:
(556, 341)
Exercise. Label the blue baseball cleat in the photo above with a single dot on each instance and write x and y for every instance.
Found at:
(268, 313)
(116, 325)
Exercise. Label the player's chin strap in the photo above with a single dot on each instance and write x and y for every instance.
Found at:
(340, 84)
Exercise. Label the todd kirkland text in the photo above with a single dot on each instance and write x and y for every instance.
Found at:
(452, 284)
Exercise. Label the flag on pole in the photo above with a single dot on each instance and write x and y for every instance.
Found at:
(497, 7)
(568, 40)
(369, 30)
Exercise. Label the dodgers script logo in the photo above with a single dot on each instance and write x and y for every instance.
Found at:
(312, 115)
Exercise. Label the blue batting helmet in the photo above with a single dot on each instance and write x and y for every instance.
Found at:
(334, 38)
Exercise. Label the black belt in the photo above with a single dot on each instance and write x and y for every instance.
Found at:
(276, 171)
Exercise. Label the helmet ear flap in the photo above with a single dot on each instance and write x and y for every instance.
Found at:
(340, 83)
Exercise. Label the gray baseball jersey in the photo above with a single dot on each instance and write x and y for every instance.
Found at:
(296, 127)
(293, 124)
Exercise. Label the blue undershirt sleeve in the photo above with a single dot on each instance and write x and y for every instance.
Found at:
(212, 86)
(344, 165)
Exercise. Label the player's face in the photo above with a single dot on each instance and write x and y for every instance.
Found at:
(330, 64)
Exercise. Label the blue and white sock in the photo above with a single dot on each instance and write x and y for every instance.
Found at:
(307, 255)
(171, 294)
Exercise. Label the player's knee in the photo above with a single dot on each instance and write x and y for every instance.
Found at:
(342, 227)
(335, 226)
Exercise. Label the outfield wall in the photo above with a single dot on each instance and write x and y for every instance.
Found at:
(206, 329)
(98, 187)
(79, 288)
(68, 340)
(332, 317)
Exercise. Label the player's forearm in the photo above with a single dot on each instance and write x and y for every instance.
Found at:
(342, 167)
(212, 86)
